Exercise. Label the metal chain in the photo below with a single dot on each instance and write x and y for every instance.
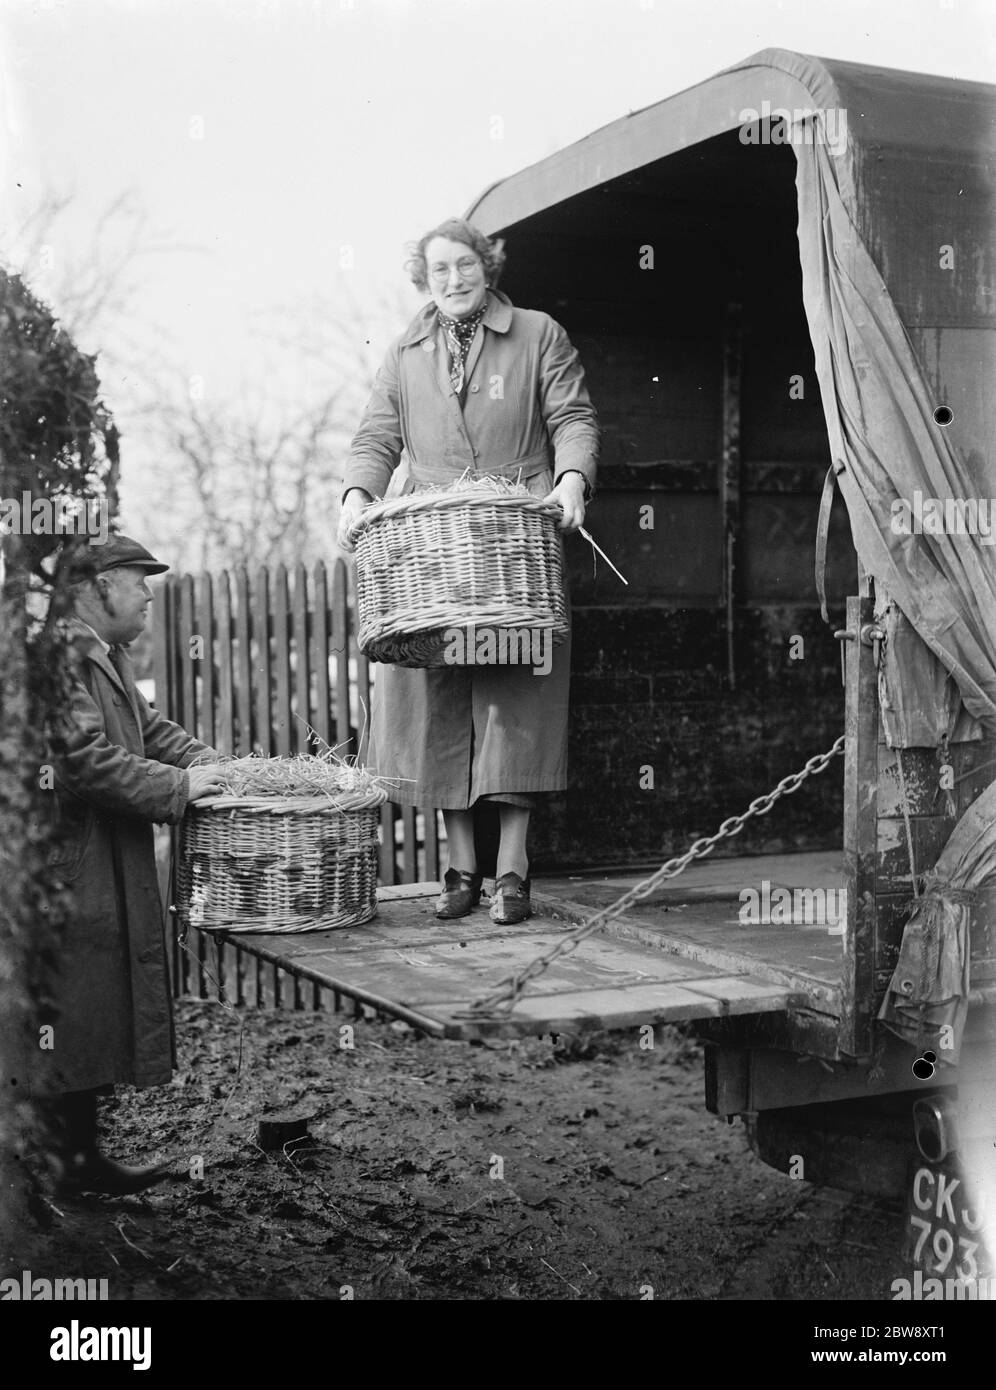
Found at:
(504, 997)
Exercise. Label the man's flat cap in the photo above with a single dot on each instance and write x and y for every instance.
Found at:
(114, 554)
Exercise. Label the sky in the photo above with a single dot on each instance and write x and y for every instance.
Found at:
(283, 152)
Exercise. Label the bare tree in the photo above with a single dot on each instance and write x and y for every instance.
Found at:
(258, 484)
(91, 282)
(255, 479)
(250, 478)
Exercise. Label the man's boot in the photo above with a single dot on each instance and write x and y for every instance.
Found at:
(84, 1167)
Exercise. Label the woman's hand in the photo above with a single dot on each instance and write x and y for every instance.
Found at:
(354, 504)
(569, 494)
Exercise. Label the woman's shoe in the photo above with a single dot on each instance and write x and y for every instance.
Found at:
(511, 900)
(461, 892)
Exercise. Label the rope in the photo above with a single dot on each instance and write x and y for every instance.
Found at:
(906, 821)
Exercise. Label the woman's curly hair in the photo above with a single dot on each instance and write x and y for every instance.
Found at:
(491, 252)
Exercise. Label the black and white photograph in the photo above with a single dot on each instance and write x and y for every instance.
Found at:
(498, 667)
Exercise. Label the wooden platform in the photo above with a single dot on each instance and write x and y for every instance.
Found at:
(697, 918)
(651, 967)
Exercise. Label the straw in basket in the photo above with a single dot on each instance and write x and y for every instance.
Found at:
(480, 554)
(292, 848)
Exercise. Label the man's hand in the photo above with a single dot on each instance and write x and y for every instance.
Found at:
(569, 494)
(355, 502)
(206, 780)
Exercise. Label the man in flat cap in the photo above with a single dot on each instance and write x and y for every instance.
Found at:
(123, 767)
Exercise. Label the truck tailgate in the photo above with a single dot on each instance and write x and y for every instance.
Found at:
(409, 964)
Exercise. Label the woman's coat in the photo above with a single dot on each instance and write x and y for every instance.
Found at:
(453, 734)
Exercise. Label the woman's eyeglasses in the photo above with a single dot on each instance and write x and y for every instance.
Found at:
(466, 265)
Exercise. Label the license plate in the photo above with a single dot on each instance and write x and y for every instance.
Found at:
(944, 1232)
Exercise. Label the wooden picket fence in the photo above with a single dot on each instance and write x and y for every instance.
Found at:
(249, 666)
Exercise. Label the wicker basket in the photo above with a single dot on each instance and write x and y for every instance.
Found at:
(467, 557)
(287, 864)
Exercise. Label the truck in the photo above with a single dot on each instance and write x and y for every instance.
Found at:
(780, 284)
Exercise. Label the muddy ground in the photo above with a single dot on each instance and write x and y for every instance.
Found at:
(513, 1171)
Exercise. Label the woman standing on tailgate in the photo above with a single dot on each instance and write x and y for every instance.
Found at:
(474, 385)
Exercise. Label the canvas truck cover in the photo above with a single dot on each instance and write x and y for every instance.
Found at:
(896, 236)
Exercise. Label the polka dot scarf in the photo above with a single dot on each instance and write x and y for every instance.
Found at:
(459, 336)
